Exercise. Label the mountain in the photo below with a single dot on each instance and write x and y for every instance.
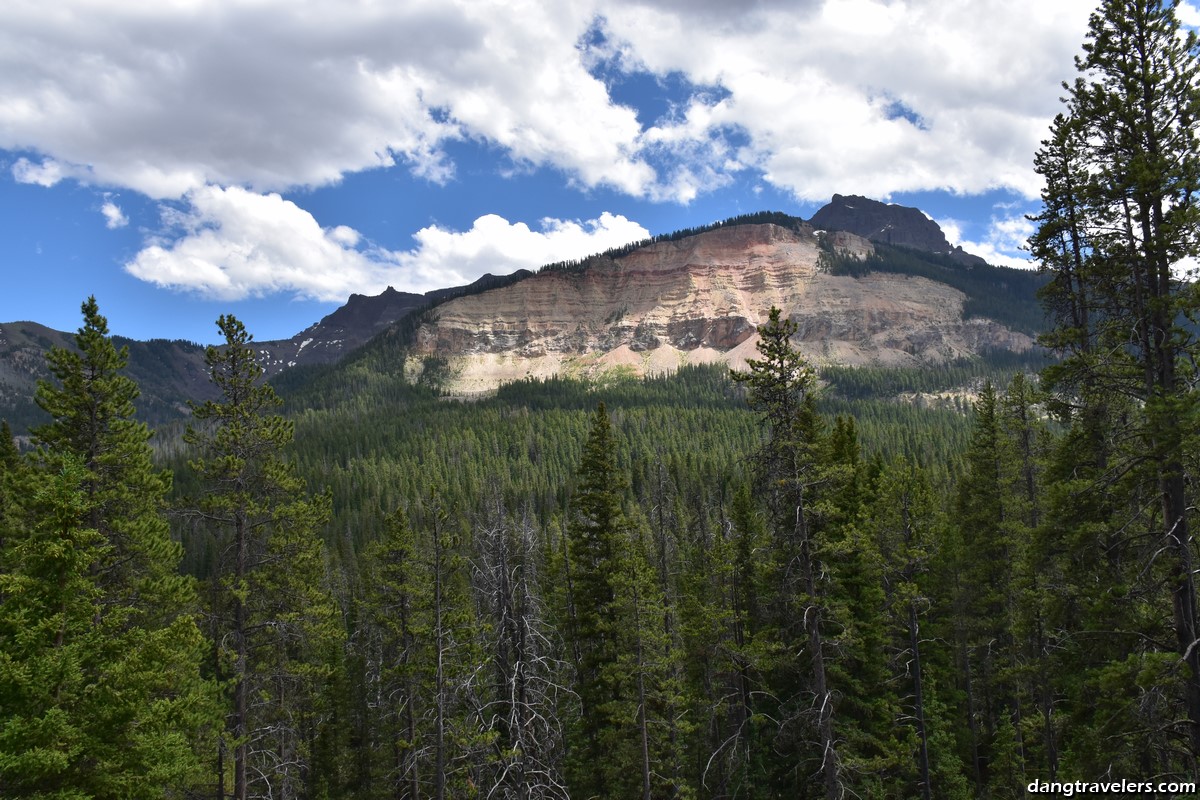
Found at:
(168, 373)
(346, 329)
(698, 299)
(866, 282)
(889, 224)
(354, 324)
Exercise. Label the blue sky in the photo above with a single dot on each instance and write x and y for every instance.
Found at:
(181, 160)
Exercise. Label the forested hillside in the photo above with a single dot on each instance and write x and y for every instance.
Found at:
(947, 583)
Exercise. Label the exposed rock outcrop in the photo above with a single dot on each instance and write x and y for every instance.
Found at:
(699, 300)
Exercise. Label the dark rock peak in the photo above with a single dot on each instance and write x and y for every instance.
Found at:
(365, 314)
(887, 223)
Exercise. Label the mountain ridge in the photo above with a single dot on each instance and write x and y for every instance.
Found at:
(700, 300)
(172, 371)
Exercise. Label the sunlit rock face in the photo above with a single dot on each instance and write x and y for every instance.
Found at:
(699, 300)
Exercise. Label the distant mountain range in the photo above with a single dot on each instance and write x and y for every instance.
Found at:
(867, 282)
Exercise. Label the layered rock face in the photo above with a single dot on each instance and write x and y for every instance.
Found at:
(699, 300)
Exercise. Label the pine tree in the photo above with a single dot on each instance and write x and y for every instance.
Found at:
(93, 422)
(91, 703)
(909, 526)
(1122, 171)
(618, 748)
(985, 558)
(594, 537)
(793, 471)
(277, 628)
(398, 654)
(10, 491)
(141, 653)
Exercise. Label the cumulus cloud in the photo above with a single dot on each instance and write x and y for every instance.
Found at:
(213, 106)
(168, 98)
(1188, 14)
(47, 173)
(113, 216)
(869, 97)
(863, 96)
(493, 244)
(231, 243)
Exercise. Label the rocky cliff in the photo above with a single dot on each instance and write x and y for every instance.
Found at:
(698, 300)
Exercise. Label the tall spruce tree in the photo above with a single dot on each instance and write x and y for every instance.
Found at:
(1122, 171)
(596, 535)
(91, 405)
(393, 636)
(908, 526)
(100, 685)
(793, 471)
(276, 626)
(62, 730)
(617, 749)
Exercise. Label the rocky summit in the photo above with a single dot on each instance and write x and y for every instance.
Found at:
(889, 224)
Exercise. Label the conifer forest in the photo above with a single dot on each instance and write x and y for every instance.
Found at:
(772, 582)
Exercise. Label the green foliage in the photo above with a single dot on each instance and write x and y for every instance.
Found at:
(277, 630)
(92, 421)
(1122, 170)
(91, 706)
(796, 471)
(1004, 294)
(101, 652)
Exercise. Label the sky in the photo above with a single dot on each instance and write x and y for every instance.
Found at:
(184, 159)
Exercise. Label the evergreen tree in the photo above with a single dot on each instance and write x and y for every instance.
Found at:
(617, 633)
(398, 654)
(92, 411)
(734, 623)
(92, 704)
(909, 526)
(142, 651)
(988, 551)
(275, 623)
(595, 537)
(10, 491)
(1122, 171)
(793, 470)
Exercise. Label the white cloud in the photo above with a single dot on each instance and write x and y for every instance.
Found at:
(233, 243)
(47, 173)
(952, 228)
(1188, 14)
(1003, 243)
(168, 98)
(113, 216)
(827, 96)
(493, 244)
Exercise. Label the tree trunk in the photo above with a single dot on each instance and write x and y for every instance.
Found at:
(241, 723)
(824, 698)
(914, 644)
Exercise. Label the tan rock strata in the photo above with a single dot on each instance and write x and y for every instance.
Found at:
(698, 300)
